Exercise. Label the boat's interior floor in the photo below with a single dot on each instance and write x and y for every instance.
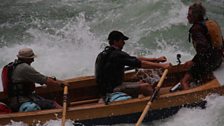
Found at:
(163, 91)
(84, 91)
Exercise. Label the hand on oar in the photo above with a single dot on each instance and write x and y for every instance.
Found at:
(153, 97)
(161, 59)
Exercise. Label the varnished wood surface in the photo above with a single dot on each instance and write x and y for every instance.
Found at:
(83, 96)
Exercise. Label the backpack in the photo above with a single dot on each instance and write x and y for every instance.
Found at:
(29, 106)
(7, 74)
(214, 33)
(100, 63)
(102, 59)
(117, 96)
(4, 109)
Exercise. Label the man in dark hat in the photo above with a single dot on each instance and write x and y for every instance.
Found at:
(110, 67)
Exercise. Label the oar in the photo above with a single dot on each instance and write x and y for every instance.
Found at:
(64, 105)
(147, 107)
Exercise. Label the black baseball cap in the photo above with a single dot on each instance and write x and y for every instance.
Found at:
(117, 35)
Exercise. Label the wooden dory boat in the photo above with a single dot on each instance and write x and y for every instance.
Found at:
(83, 97)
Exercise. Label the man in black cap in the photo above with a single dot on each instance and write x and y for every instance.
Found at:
(110, 67)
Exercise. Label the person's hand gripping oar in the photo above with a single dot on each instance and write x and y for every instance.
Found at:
(153, 97)
(64, 109)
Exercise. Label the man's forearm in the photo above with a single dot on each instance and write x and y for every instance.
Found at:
(147, 59)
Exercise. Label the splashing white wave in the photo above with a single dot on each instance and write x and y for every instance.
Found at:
(211, 116)
(68, 47)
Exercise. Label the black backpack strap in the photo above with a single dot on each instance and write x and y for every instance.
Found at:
(190, 34)
(11, 67)
(101, 62)
(203, 25)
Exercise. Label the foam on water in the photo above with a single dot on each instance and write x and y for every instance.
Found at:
(48, 123)
(211, 116)
(67, 35)
(68, 48)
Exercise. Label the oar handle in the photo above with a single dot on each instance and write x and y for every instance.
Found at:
(64, 110)
(147, 107)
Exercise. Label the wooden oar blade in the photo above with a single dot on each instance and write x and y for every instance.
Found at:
(64, 110)
(153, 97)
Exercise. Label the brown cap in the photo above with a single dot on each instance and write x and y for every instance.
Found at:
(26, 53)
(117, 35)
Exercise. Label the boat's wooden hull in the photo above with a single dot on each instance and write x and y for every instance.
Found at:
(88, 111)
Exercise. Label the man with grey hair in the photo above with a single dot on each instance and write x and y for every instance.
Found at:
(21, 87)
(208, 57)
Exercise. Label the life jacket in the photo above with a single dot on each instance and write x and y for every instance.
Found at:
(101, 61)
(214, 33)
(14, 89)
(4, 109)
(6, 76)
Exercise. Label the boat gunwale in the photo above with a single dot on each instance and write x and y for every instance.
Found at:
(117, 103)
